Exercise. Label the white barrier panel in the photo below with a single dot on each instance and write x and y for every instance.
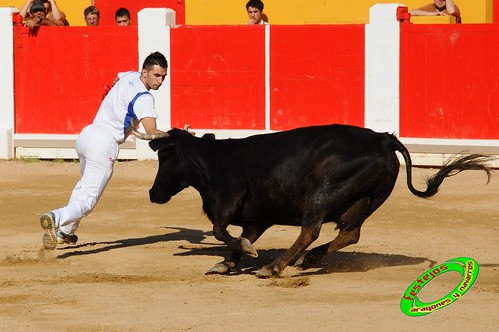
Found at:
(154, 35)
(382, 59)
(6, 83)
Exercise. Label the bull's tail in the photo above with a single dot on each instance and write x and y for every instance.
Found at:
(454, 165)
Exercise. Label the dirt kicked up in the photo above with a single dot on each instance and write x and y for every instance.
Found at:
(140, 267)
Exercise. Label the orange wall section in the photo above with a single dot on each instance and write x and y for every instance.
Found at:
(108, 8)
(317, 11)
(222, 12)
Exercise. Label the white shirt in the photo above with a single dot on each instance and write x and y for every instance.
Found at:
(128, 99)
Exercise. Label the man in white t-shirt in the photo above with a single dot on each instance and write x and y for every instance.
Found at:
(126, 104)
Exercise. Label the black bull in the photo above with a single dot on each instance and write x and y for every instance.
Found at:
(302, 177)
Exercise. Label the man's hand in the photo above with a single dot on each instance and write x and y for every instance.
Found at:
(32, 22)
(251, 21)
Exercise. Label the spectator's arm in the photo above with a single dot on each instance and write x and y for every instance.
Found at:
(420, 12)
(57, 23)
(57, 15)
(451, 8)
(25, 8)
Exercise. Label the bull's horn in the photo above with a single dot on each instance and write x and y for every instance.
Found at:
(188, 129)
(146, 137)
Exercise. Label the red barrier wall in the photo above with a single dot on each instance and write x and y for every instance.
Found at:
(317, 75)
(108, 8)
(60, 73)
(218, 77)
(449, 81)
(226, 85)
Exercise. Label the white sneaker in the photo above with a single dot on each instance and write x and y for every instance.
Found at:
(53, 236)
(49, 239)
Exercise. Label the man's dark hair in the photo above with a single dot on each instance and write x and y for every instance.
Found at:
(155, 58)
(122, 12)
(256, 4)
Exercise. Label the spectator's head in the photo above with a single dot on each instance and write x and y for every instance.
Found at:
(37, 6)
(254, 9)
(440, 4)
(122, 17)
(92, 16)
(154, 70)
(258, 4)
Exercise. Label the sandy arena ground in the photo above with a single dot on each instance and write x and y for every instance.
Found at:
(140, 267)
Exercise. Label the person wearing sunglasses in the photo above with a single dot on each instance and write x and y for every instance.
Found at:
(438, 8)
(42, 12)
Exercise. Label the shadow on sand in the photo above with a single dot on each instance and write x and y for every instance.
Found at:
(90, 248)
(335, 262)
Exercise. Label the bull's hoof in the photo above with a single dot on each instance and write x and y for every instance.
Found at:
(248, 248)
(267, 272)
(299, 263)
(306, 261)
(220, 268)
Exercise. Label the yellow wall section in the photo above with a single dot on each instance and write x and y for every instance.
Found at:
(212, 12)
(219, 12)
(72, 8)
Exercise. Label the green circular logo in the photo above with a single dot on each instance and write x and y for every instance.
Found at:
(412, 306)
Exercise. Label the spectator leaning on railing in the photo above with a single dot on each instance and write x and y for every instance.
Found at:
(438, 8)
(42, 12)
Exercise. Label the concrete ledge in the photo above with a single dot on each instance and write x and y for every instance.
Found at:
(436, 160)
(56, 141)
(429, 155)
(433, 152)
(65, 153)
(452, 149)
(424, 152)
(56, 146)
(448, 19)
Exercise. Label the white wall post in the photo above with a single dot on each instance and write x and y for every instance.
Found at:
(382, 69)
(6, 83)
(154, 35)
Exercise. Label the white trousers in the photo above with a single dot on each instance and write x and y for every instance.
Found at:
(97, 151)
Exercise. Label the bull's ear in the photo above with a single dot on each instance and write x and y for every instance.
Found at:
(155, 144)
(208, 136)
